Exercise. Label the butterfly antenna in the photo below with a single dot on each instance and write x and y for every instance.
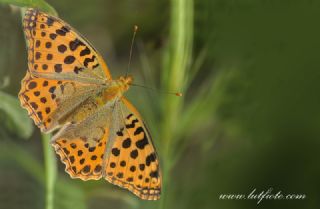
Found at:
(135, 29)
(179, 94)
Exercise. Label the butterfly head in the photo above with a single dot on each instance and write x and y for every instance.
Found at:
(126, 81)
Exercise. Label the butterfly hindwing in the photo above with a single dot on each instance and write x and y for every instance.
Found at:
(81, 146)
(48, 101)
(82, 160)
(132, 161)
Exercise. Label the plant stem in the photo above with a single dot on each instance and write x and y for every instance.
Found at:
(50, 170)
(177, 61)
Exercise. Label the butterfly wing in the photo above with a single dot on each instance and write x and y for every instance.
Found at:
(133, 163)
(50, 103)
(63, 70)
(55, 48)
(121, 151)
(81, 146)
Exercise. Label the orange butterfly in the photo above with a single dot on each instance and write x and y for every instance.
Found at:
(68, 87)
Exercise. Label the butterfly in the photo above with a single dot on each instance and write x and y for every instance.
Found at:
(68, 89)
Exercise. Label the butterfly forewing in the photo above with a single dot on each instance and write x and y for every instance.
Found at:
(63, 68)
(55, 47)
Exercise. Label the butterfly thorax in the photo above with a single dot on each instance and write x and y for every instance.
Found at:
(116, 88)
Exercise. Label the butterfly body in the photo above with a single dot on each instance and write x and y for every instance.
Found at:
(68, 87)
(116, 88)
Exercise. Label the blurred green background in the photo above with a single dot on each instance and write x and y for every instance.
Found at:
(249, 117)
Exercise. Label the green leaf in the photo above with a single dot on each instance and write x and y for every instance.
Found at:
(40, 4)
(14, 117)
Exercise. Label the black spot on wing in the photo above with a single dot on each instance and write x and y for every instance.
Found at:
(58, 68)
(62, 31)
(85, 51)
(133, 168)
(82, 161)
(69, 59)
(132, 125)
(142, 143)
(112, 165)
(38, 43)
(36, 93)
(66, 151)
(86, 169)
(115, 151)
(52, 89)
(123, 163)
(88, 60)
(43, 100)
(97, 168)
(38, 55)
(96, 65)
(150, 158)
(80, 152)
(74, 168)
(40, 115)
(77, 70)
(120, 132)
(53, 36)
(71, 159)
(120, 175)
(134, 154)
(49, 56)
(48, 45)
(32, 85)
(126, 143)
(75, 44)
(34, 105)
(73, 145)
(154, 174)
(48, 110)
(26, 97)
(91, 149)
(138, 131)
(50, 21)
(141, 167)
(62, 48)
